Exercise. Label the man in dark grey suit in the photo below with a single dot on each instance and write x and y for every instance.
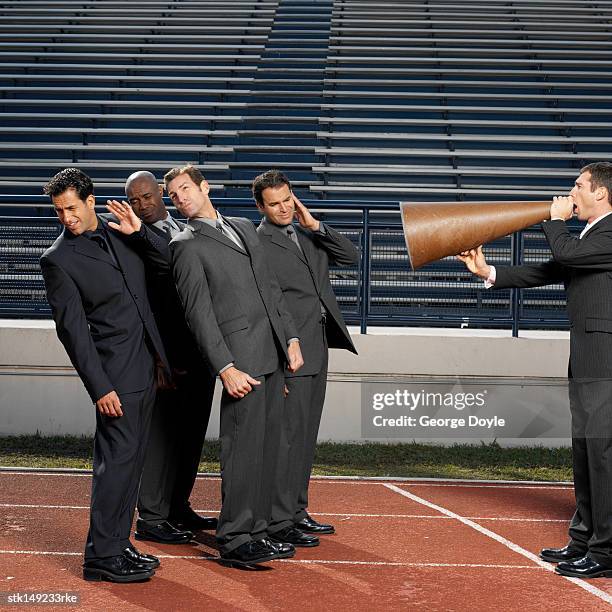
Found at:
(182, 411)
(584, 265)
(240, 322)
(95, 282)
(300, 256)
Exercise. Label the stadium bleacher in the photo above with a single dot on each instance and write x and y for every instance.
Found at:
(361, 102)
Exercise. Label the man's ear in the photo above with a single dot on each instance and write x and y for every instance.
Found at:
(205, 187)
(161, 190)
(90, 201)
(601, 193)
(260, 207)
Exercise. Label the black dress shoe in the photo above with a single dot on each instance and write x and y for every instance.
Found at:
(115, 569)
(309, 525)
(141, 559)
(567, 553)
(294, 536)
(284, 550)
(584, 568)
(164, 533)
(190, 520)
(250, 553)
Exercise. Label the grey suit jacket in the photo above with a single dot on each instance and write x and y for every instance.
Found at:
(585, 267)
(304, 279)
(233, 304)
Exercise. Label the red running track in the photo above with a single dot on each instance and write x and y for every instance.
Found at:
(398, 546)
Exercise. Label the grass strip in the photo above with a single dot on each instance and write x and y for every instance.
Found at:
(412, 459)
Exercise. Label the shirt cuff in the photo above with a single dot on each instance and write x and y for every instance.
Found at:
(292, 340)
(227, 367)
(321, 231)
(491, 279)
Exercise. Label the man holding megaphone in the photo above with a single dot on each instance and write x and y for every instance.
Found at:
(584, 265)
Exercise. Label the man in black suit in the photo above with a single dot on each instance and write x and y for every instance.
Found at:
(182, 411)
(240, 322)
(584, 265)
(300, 256)
(95, 280)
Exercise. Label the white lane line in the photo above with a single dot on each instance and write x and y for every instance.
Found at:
(301, 561)
(491, 486)
(347, 480)
(5, 472)
(44, 506)
(583, 584)
(340, 514)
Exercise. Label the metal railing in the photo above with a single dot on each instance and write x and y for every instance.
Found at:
(381, 290)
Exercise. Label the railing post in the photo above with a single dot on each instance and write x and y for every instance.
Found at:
(365, 270)
(515, 294)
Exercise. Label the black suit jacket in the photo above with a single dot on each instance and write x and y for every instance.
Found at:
(232, 302)
(101, 310)
(585, 267)
(304, 279)
(178, 341)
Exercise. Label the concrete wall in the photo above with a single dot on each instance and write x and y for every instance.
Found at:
(40, 392)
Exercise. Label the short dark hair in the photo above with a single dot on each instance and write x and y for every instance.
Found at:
(70, 178)
(194, 174)
(271, 178)
(601, 176)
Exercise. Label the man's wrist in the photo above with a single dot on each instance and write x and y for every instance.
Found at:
(491, 277)
(225, 368)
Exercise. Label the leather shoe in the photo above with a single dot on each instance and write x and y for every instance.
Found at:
(309, 525)
(294, 536)
(190, 520)
(145, 561)
(250, 553)
(284, 550)
(115, 569)
(164, 533)
(567, 553)
(584, 568)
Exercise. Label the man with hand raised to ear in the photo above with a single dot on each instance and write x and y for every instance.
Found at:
(299, 255)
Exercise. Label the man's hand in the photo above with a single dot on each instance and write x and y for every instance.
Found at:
(562, 207)
(296, 360)
(305, 219)
(237, 383)
(128, 221)
(475, 262)
(110, 405)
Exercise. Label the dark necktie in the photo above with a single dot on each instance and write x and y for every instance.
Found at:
(98, 237)
(100, 240)
(167, 229)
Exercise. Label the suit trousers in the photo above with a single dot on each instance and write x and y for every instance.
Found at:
(178, 429)
(591, 525)
(250, 433)
(119, 452)
(301, 420)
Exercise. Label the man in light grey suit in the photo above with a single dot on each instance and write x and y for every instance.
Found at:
(240, 322)
(584, 265)
(300, 256)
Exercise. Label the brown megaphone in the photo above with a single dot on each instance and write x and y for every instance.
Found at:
(434, 230)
